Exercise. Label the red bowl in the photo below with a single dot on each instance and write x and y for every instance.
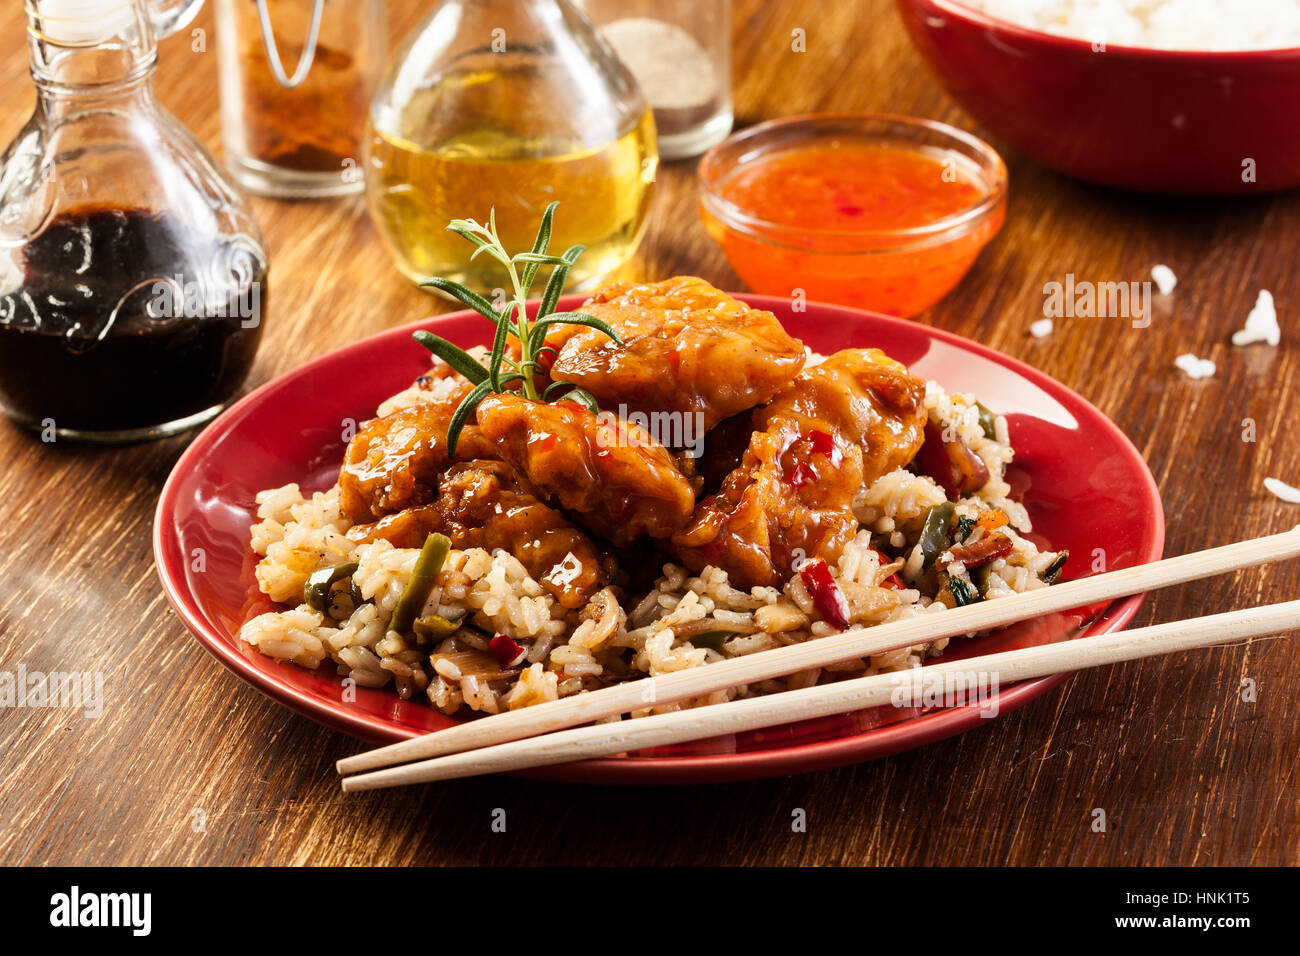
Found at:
(1084, 484)
(1161, 121)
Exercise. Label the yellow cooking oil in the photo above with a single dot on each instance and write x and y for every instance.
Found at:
(415, 189)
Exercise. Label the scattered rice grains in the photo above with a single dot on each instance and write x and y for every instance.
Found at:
(1195, 368)
(1165, 279)
(1282, 490)
(1261, 323)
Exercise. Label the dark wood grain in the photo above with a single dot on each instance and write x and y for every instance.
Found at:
(1185, 770)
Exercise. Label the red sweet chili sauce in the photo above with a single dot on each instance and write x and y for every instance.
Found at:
(831, 217)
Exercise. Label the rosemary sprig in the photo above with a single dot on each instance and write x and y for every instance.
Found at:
(502, 372)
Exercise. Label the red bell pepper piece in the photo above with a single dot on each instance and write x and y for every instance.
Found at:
(801, 474)
(826, 595)
(956, 468)
(506, 651)
(823, 443)
(986, 549)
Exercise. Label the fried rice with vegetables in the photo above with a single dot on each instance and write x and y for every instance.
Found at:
(499, 641)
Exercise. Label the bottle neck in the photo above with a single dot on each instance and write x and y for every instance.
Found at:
(89, 47)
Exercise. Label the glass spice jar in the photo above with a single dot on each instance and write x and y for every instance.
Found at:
(296, 80)
(680, 53)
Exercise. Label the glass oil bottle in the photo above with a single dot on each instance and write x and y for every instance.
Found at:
(508, 105)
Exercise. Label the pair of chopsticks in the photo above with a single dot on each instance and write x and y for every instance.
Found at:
(550, 733)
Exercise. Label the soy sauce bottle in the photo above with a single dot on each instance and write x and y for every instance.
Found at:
(132, 273)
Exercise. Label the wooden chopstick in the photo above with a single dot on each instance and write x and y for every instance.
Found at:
(981, 676)
(832, 649)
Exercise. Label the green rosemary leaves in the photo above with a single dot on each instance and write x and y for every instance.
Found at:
(502, 370)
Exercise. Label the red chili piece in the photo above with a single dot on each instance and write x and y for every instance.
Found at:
(826, 595)
(506, 651)
(801, 474)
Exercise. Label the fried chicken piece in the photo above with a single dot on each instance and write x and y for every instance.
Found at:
(787, 501)
(687, 348)
(394, 462)
(863, 396)
(837, 427)
(611, 473)
(484, 504)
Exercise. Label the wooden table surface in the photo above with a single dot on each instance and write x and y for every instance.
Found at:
(190, 765)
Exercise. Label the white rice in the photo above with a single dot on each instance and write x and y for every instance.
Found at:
(1282, 490)
(1162, 24)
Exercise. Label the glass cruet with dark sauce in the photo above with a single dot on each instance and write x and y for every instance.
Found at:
(132, 273)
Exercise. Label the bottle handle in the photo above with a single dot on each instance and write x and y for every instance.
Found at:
(273, 53)
(169, 16)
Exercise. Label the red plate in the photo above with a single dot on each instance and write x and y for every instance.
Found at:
(1084, 483)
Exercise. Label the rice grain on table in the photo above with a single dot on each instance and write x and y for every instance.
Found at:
(1195, 368)
(1261, 323)
(1164, 278)
(1282, 490)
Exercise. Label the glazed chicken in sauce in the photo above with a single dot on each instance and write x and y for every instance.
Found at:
(395, 461)
(837, 427)
(789, 499)
(612, 474)
(687, 348)
(861, 396)
(484, 504)
(789, 448)
(661, 478)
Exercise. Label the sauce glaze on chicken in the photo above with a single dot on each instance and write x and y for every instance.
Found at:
(686, 348)
(565, 489)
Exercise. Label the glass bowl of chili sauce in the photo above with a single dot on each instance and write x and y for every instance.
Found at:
(880, 212)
